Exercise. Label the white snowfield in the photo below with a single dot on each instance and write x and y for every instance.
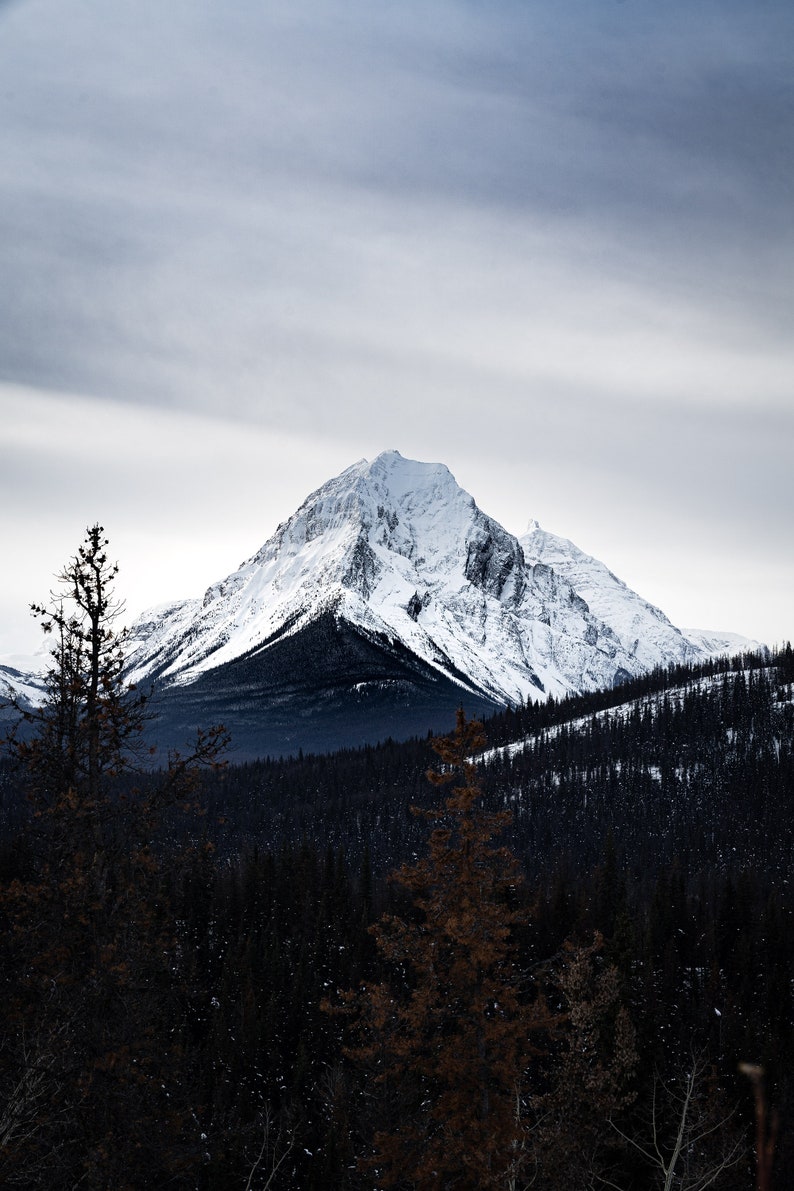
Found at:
(397, 549)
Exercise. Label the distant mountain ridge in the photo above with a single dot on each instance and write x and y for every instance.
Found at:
(642, 629)
(383, 602)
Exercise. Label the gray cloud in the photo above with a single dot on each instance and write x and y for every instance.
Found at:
(551, 242)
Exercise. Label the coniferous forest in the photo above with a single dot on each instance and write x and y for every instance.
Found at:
(562, 960)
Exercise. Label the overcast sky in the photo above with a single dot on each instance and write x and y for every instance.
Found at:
(547, 242)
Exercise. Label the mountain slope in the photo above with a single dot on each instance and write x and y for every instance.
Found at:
(326, 687)
(642, 629)
(396, 549)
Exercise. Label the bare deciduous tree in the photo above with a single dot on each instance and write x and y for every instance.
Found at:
(275, 1148)
(691, 1142)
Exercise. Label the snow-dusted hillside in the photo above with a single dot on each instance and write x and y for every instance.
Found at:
(22, 678)
(397, 549)
(712, 642)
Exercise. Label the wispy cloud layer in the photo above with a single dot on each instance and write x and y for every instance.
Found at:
(549, 245)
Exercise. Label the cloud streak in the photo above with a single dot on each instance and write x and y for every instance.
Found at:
(550, 246)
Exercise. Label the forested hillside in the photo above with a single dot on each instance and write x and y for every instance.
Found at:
(590, 929)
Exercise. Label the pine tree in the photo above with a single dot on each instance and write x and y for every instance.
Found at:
(90, 723)
(448, 1037)
(589, 1074)
(88, 941)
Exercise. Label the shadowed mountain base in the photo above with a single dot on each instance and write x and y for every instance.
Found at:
(326, 687)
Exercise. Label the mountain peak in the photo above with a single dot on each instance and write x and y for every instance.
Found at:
(398, 477)
(396, 548)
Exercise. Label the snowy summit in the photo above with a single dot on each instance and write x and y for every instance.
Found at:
(396, 548)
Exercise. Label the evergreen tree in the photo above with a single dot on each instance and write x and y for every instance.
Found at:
(89, 726)
(588, 1075)
(88, 941)
(450, 1034)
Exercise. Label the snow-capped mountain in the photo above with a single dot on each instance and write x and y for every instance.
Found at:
(397, 550)
(385, 601)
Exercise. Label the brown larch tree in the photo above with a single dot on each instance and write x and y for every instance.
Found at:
(449, 1036)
